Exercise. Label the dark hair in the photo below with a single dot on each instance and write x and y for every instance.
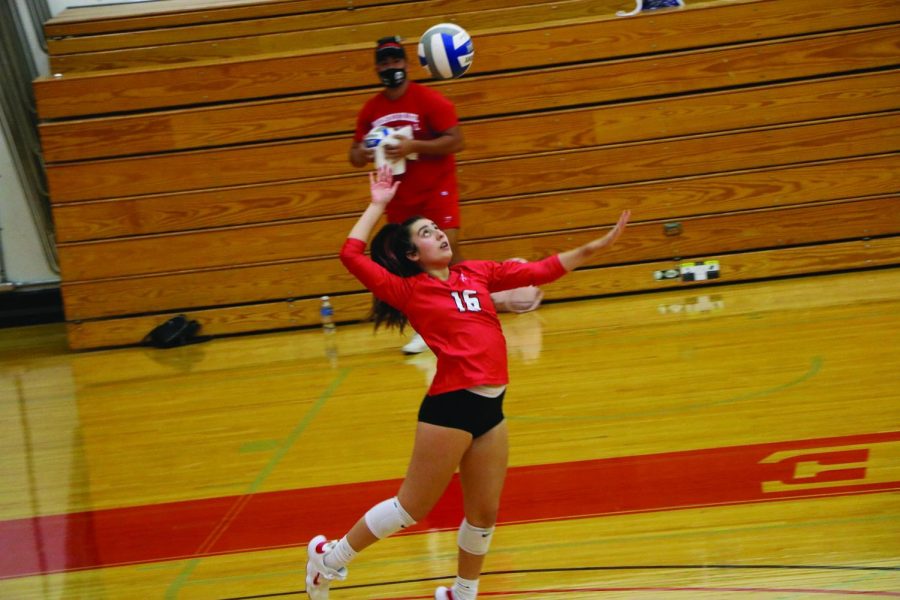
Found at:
(390, 248)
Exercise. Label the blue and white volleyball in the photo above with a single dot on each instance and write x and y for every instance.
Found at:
(446, 50)
(377, 135)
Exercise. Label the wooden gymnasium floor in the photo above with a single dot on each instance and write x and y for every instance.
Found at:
(722, 442)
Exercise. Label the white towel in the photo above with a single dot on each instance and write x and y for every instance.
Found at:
(398, 166)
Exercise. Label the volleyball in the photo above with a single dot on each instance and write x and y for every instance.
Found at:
(446, 51)
(376, 136)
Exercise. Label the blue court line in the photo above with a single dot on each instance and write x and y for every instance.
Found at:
(813, 370)
(182, 578)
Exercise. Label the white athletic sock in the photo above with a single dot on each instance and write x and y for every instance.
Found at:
(340, 555)
(465, 589)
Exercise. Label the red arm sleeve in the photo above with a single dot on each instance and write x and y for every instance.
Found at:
(388, 287)
(511, 274)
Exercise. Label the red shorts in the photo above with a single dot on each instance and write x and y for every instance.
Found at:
(440, 205)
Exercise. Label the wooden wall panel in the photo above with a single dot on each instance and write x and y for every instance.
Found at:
(662, 201)
(142, 16)
(205, 208)
(760, 133)
(781, 262)
(476, 97)
(647, 240)
(212, 287)
(218, 28)
(315, 32)
(672, 200)
(573, 85)
(690, 156)
(226, 286)
(216, 321)
(763, 264)
(484, 178)
(710, 234)
(729, 191)
(311, 71)
(678, 157)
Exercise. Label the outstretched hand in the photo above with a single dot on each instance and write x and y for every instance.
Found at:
(572, 259)
(612, 235)
(382, 185)
(382, 188)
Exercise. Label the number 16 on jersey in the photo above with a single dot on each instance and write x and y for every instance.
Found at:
(467, 301)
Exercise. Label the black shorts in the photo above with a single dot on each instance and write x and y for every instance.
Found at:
(464, 410)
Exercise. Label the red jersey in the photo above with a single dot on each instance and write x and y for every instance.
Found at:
(456, 317)
(429, 114)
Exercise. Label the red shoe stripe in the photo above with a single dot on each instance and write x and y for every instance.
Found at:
(320, 548)
(316, 579)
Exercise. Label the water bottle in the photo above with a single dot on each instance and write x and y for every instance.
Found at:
(326, 312)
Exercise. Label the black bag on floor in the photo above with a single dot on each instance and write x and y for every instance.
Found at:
(177, 331)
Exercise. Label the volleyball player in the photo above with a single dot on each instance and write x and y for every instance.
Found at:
(460, 422)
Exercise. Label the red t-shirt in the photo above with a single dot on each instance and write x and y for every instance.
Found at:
(456, 317)
(429, 114)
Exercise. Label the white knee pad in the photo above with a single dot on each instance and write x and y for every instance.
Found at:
(387, 518)
(474, 540)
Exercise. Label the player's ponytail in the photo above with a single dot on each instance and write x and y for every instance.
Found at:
(390, 248)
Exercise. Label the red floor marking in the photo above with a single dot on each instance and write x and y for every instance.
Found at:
(729, 590)
(736, 590)
(669, 481)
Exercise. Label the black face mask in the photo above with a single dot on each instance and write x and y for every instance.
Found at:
(392, 78)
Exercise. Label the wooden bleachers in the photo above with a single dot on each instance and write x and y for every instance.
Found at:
(564, 42)
(618, 81)
(112, 18)
(296, 32)
(760, 133)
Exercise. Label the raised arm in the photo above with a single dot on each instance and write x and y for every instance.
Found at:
(572, 259)
(382, 188)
